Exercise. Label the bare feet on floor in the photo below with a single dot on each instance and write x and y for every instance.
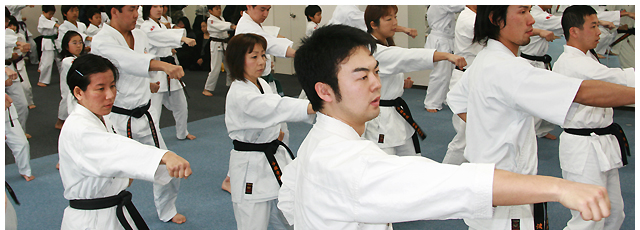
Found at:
(32, 106)
(207, 93)
(432, 110)
(42, 84)
(59, 124)
(58, 166)
(226, 184)
(191, 137)
(179, 219)
(29, 178)
(550, 136)
(27, 135)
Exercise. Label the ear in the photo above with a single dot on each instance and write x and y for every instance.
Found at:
(78, 93)
(325, 92)
(373, 25)
(574, 32)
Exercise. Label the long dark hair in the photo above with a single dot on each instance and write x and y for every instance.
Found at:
(484, 28)
(65, 44)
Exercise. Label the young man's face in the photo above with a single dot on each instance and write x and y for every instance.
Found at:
(127, 18)
(519, 26)
(96, 19)
(49, 14)
(258, 13)
(317, 17)
(359, 85)
(588, 37)
(72, 14)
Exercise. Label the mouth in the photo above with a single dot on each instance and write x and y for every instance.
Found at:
(530, 32)
(109, 105)
(376, 102)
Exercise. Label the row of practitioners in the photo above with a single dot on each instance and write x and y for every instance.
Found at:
(391, 14)
(340, 102)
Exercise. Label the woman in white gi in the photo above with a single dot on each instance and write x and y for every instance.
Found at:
(72, 47)
(217, 28)
(95, 162)
(253, 117)
(171, 92)
(390, 130)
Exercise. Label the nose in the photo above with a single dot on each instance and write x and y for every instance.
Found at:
(111, 94)
(530, 19)
(375, 85)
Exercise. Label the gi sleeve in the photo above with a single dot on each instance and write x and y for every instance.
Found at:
(215, 26)
(286, 195)
(159, 37)
(44, 23)
(458, 97)
(134, 63)
(394, 60)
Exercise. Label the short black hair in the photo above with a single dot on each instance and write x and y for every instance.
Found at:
(311, 11)
(318, 58)
(574, 16)
(84, 66)
(13, 22)
(146, 11)
(209, 7)
(107, 9)
(65, 43)
(65, 9)
(484, 28)
(237, 48)
(91, 11)
(48, 8)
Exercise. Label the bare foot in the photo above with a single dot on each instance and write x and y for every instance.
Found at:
(42, 84)
(550, 136)
(27, 135)
(191, 137)
(32, 106)
(207, 93)
(226, 184)
(59, 124)
(432, 110)
(58, 166)
(179, 219)
(29, 178)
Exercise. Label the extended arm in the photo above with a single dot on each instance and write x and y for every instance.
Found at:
(604, 94)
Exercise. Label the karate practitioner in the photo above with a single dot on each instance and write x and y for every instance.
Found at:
(48, 28)
(171, 91)
(70, 15)
(15, 90)
(499, 95)
(342, 181)
(14, 135)
(95, 19)
(16, 11)
(609, 21)
(128, 47)
(254, 114)
(96, 164)
(18, 61)
(313, 14)
(394, 129)
(463, 46)
(218, 36)
(442, 21)
(589, 152)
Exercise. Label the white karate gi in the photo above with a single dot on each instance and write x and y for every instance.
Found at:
(66, 103)
(592, 159)
(26, 84)
(465, 47)
(349, 15)
(162, 40)
(16, 11)
(92, 30)
(133, 92)
(311, 26)
(68, 26)
(342, 181)
(393, 62)
(254, 117)
(95, 162)
(442, 21)
(15, 90)
(165, 19)
(539, 46)
(217, 28)
(607, 37)
(500, 94)
(105, 18)
(47, 27)
(17, 141)
(275, 46)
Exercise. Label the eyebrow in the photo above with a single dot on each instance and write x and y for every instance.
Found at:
(525, 7)
(365, 69)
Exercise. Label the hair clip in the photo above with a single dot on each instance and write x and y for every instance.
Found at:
(79, 73)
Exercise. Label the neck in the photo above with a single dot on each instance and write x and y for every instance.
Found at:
(510, 45)
(577, 46)
(73, 22)
(123, 31)
(359, 128)
(156, 20)
(380, 38)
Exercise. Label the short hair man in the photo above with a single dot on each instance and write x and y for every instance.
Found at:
(341, 181)
(584, 157)
(501, 93)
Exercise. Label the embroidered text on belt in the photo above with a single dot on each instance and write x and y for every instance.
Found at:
(546, 59)
(122, 200)
(137, 113)
(613, 129)
(171, 60)
(269, 150)
(403, 109)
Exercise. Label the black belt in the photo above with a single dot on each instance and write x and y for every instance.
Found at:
(122, 200)
(613, 129)
(461, 69)
(540, 217)
(171, 60)
(11, 193)
(10, 119)
(546, 59)
(14, 63)
(223, 40)
(137, 113)
(269, 150)
(403, 109)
